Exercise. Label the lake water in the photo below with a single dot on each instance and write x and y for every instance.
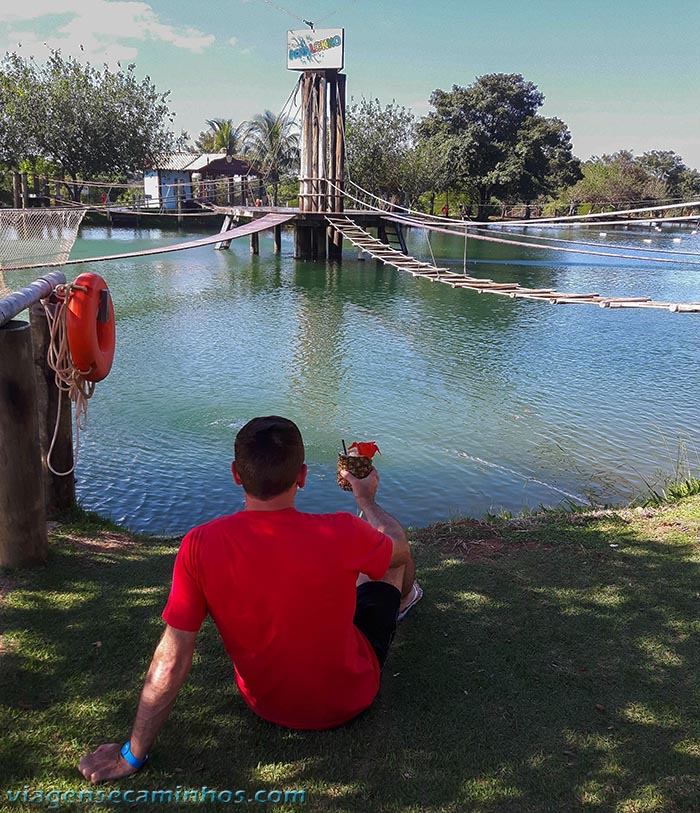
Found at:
(478, 402)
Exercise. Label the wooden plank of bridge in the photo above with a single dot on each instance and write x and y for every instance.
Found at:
(605, 302)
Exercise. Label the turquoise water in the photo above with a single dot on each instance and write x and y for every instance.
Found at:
(478, 402)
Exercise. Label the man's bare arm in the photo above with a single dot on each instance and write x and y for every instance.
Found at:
(169, 668)
(365, 491)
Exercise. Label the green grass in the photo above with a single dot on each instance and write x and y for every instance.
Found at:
(552, 666)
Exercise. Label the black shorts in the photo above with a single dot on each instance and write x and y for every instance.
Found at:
(375, 615)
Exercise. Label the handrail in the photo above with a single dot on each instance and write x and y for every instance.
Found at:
(18, 301)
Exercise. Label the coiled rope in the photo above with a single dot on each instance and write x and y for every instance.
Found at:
(68, 378)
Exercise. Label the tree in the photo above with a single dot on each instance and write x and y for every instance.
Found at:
(87, 121)
(222, 136)
(617, 180)
(667, 167)
(541, 162)
(272, 147)
(383, 153)
(491, 138)
(18, 118)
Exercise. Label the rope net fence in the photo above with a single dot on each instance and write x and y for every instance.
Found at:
(37, 236)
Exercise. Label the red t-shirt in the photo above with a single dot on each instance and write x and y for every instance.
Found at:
(280, 586)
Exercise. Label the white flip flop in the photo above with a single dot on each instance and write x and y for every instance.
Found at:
(416, 596)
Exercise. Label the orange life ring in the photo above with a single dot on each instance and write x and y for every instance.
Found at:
(90, 326)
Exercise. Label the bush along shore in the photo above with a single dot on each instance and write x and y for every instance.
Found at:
(552, 666)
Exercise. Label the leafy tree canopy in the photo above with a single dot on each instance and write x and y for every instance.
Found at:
(87, 121)
(618, 180)
(491, 138)
(272, 145)
(223, 136)
(668, 167)
(383, 153)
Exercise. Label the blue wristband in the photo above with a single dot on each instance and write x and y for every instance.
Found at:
(135, 762)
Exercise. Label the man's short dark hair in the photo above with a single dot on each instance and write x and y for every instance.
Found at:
(269, 455)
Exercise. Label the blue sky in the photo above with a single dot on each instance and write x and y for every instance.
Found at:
(623, 74)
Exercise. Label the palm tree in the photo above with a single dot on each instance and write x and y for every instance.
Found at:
(223, 136)
(272, 146)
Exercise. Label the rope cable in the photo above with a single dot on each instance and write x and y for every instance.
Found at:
(423, 223)
(543, 221)
(645, 249)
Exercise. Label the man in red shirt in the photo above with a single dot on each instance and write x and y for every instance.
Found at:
(306, 604)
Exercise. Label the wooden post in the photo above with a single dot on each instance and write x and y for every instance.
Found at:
(278, 239)
(315, 142)
(16, 190)
(321, 171)
(340, 143)
(255, 243)
(332, 85)
(59, 492)
(45, 191)
(225, 226)
(35, 189)
(335, 244)
(25, 191)
(23, 535)
(305, 142)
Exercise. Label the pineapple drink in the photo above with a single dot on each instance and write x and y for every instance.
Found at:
(357, 461)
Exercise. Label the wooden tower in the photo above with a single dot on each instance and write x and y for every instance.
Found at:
(319, 54)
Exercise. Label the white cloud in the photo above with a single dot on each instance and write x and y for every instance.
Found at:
(233, 41)
(107, 30)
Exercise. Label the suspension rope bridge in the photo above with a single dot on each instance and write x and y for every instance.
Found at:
(363, 240)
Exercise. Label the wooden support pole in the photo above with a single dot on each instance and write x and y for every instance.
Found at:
(255, 243)
(179, 193)
(303, 245)
(23, 535)
(25, 191)
(340, 143)
(57, 193)
(337, 159)
(315, 142)
(305, 143)
(16, 190)
(278, 239)
(332, 84)
(321, 171)
(225, 226)
(59, 491)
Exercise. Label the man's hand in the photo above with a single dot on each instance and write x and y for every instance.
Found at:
(171, 663)
(364, 489)
(105, 763)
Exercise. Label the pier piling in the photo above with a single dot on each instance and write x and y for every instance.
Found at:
(23, 534)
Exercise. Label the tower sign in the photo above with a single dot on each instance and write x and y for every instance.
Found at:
(309, 50)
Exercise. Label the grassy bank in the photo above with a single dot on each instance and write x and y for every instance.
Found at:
(552, 666)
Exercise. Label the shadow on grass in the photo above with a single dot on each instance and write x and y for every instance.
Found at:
(559, 678)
